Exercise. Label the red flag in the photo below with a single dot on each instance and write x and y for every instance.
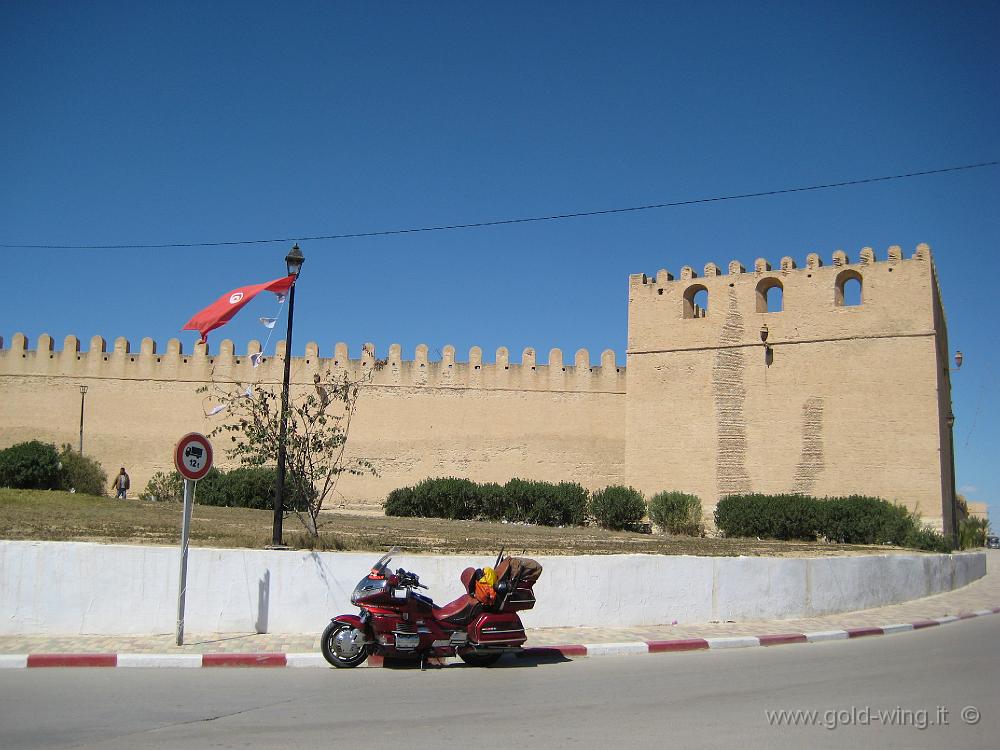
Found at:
(223, 309)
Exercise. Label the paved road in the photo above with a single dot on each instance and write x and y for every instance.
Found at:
(705, 699)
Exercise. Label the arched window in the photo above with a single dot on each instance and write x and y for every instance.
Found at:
(848, 291)
(695, 301)
(770, 295)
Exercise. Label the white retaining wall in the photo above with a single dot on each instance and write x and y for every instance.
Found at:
(71, 588)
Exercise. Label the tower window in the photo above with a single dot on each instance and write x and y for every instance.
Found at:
(848, 291)
(696, 301)
(770, 295)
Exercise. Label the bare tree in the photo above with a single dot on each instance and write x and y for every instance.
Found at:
(319, 422)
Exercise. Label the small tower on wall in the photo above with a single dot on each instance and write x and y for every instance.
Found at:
(849, 394)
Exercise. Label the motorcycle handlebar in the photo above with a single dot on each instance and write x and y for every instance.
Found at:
(409, 579)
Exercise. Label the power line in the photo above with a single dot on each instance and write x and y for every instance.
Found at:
(522, 220)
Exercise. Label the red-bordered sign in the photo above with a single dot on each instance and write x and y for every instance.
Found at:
(193, 456)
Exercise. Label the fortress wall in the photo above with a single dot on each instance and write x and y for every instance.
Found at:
(487, 421)
(848, 400)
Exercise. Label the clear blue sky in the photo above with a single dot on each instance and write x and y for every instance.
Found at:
(191, 122)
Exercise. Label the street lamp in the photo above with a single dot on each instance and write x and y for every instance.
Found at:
(293, 261)
(83, 396)
(768, 353)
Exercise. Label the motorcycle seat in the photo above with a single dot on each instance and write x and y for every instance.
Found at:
(458, 612)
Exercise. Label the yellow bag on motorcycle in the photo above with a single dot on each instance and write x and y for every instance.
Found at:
(484, 591)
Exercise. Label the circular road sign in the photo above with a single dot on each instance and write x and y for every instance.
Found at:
(193, 456)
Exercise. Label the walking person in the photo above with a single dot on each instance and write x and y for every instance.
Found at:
(122, 483)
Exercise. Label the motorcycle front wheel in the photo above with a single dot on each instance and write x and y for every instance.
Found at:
(342, 645)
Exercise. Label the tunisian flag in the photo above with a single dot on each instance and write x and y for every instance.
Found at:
(223, 309)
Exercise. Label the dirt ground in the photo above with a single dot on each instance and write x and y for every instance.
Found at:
(61, 516)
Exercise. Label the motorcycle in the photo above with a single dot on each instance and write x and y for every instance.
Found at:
(398, 621)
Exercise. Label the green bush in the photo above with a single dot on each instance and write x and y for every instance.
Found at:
(769, 516)
(81, 473)
(852, 520)
(972, 532)
(252, 487)
(926, 538)
(446, 497)
(518, 500)
(544, 503)
(858, 519)
(618, 507)
(164, 487)
(677, 513)
(30, 466)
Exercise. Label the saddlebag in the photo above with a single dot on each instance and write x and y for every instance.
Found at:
(497, 629)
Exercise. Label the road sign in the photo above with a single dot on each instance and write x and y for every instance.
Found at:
(193, 456)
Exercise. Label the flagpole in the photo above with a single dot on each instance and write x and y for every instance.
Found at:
(294, 260)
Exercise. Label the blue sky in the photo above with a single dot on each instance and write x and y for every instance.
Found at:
(201, 122)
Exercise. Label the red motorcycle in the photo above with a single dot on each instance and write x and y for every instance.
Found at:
(396, 620)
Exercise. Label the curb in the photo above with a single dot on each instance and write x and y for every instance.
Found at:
(567, 651)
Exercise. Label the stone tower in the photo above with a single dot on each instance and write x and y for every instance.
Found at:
(850, 393)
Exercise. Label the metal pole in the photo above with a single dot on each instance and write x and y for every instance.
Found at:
(189, 488)
(954, 490)
(83, 396)
(279, 488)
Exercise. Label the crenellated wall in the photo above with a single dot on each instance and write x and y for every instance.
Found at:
(419, 418)
(842, 399)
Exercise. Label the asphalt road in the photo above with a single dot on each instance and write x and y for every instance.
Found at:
(920, 681)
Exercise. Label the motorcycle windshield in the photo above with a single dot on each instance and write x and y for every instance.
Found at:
(383, 562)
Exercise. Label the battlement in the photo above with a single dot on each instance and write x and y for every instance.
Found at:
(787, 265)
(867, 297)
(202, 365)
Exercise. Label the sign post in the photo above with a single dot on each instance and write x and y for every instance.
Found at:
(193, 459)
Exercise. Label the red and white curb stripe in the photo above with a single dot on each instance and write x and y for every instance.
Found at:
(20, 661)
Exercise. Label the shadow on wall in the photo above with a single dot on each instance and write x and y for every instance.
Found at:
(263, 601)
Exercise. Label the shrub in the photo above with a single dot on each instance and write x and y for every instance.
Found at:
(446, 497)
(30, 466)
(81, 473)
(926, 538)
(252, 487)
(163, 486)
(617, 507)
(518, 500)
(769, 516)
(972, 532)
(858, 519)
(677, 513)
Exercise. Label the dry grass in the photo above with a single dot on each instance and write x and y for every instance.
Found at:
(61, 516)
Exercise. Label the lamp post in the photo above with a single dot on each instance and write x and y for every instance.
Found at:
(83, 396)
(293, 262)
(951, 447)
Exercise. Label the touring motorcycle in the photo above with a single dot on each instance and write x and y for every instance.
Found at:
(398, 621)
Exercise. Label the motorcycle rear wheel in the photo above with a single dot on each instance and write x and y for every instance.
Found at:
(480, 660)
(333, 651)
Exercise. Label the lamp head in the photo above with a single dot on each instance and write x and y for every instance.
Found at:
(958, 360)
(763, 333)
(294, 260)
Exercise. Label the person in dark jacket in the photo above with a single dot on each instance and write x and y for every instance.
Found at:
(121, 485)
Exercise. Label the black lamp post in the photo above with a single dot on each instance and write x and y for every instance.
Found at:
(951, 449)
(293, 261)
(83, 396)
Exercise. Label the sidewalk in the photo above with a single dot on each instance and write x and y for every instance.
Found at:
(977, 599)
